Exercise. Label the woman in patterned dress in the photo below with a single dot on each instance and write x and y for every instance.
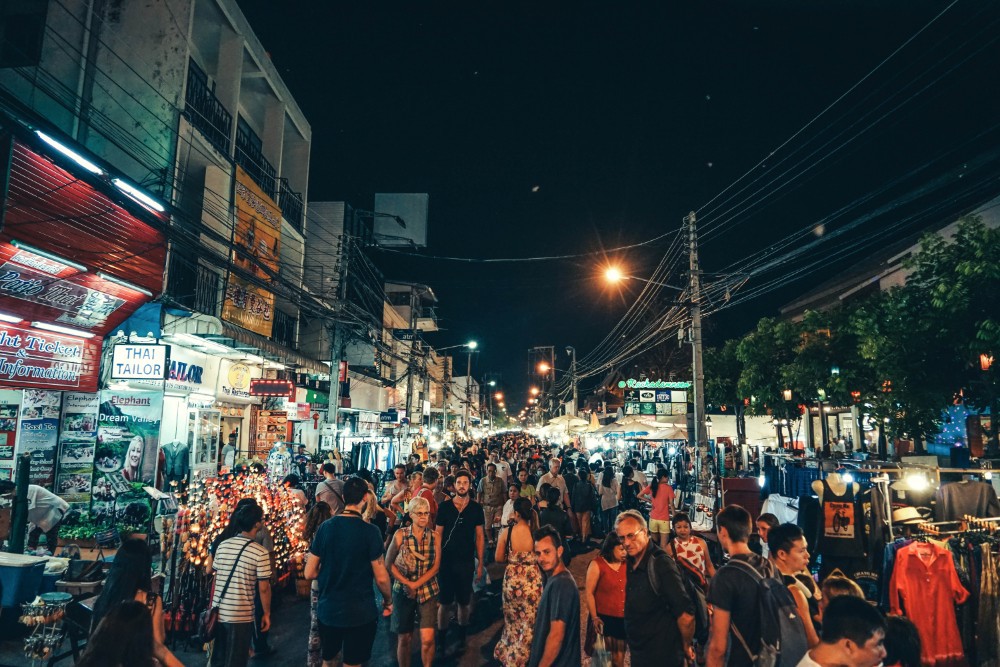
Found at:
(522, 586)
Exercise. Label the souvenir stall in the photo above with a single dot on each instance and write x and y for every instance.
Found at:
(187, 537)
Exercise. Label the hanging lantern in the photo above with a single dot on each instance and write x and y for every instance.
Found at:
(787, 394)
(985, 361)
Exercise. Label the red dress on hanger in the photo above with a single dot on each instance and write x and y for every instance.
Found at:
(925, 588)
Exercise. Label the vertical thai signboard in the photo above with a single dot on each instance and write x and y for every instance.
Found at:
(39, 433)
(256, 249)
(77, 444)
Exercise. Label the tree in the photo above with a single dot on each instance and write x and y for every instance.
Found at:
(958, 285)
(764, 353)
(722, 378)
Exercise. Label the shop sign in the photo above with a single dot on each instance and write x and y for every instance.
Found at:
(298, 411)
(265, 387)
(34, 358)
(652, 384)
(192, 371)
(388, 417)
(257, 241)
(140, 362)
(234, 382)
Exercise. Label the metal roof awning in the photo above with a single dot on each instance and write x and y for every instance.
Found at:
(249, 342)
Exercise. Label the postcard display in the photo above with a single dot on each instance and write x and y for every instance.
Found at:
(10, 413)
(77, 445)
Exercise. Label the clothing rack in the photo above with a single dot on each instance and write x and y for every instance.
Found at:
(990, 523)
(940, 528)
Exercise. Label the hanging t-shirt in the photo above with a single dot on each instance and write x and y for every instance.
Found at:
(842, 529)
(925, 588)
(953, 501)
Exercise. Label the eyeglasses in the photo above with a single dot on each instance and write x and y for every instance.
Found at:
(630, 537)
(421, 513)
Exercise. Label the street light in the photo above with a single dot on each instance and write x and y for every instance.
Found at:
(534, 391)
(615, 275)
(544, 368)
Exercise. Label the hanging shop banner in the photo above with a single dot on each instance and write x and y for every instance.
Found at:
(38, 434)
(10, 408)
(77, 444)
(40, 359)
(128, 439)
(257, 249)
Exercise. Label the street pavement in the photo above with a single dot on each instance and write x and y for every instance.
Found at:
(290, 618)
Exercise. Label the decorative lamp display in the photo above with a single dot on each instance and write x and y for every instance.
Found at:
(786, 394)
(985, 361)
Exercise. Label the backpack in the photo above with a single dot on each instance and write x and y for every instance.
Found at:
(694, 591)
(783, 636)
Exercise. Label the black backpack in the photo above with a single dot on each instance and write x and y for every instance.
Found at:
(783, 636)
(695, 592)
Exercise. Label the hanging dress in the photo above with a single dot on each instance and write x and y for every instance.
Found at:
(925, 588)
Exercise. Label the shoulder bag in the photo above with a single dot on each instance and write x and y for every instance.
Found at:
(208, 620)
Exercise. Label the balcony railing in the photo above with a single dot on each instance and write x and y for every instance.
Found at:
(284, 329)
(198, 290)
(205, 111)
(290, 204)
(250, 157)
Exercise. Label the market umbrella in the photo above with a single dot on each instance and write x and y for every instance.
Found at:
(568, 421)
(671, 433)
(615, 428)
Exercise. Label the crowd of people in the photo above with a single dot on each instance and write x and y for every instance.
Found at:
(415, 551)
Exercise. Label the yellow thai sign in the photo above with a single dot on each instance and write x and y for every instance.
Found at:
(256, 249)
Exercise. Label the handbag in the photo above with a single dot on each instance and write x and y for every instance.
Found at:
(406, 559)
(208, 620)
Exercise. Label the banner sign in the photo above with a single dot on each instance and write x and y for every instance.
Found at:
(128, 439)
(40, 359)
(265, 387)
(140, 362)
(77, 444)
(39, 434)
(10, 408)
(655, 397)
(257, 249)
(234, 382)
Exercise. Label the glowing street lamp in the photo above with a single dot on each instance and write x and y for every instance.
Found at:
(543, 367)
(534, 391)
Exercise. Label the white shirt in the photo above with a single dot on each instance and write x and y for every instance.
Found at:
(45, 509)
(508, 511)
(807, 661)
(503, 470)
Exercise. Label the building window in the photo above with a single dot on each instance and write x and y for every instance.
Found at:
(22, 29)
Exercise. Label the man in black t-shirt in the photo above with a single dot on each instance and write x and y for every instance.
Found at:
(734, 595)
(462, 537)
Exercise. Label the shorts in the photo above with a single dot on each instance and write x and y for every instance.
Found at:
(356, 642)
(614, 626)
(659, 526)
(406, 611)
(455, 580)
(490, 511)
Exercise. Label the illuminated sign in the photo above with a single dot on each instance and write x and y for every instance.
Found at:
(263, 387)
(140, 362)
(652, 384)
(38, 359)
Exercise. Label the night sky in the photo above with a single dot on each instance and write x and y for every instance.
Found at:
(548, 128)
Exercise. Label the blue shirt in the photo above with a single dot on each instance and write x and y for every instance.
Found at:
(346, 547)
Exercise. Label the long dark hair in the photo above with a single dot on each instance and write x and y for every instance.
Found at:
(131, 572)
(320, 512)
(609, 474)
(608, 548)
(124, 638)
(523, 508)
(233, 527)
(655, 484)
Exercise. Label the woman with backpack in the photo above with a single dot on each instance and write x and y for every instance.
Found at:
(628, 491)
(583, 501)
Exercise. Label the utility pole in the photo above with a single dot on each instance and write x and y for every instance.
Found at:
(337, 341)
(446, 384)
(572, 376)
(700, 439)
(468, 393)
(409, 360)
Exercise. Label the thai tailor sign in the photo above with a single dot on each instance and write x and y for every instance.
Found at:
(40, 359)
(140, 362)
(257, 250)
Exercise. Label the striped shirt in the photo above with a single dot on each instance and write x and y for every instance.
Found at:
(254, 565)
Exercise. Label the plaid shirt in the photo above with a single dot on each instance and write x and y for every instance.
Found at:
(423, 549)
